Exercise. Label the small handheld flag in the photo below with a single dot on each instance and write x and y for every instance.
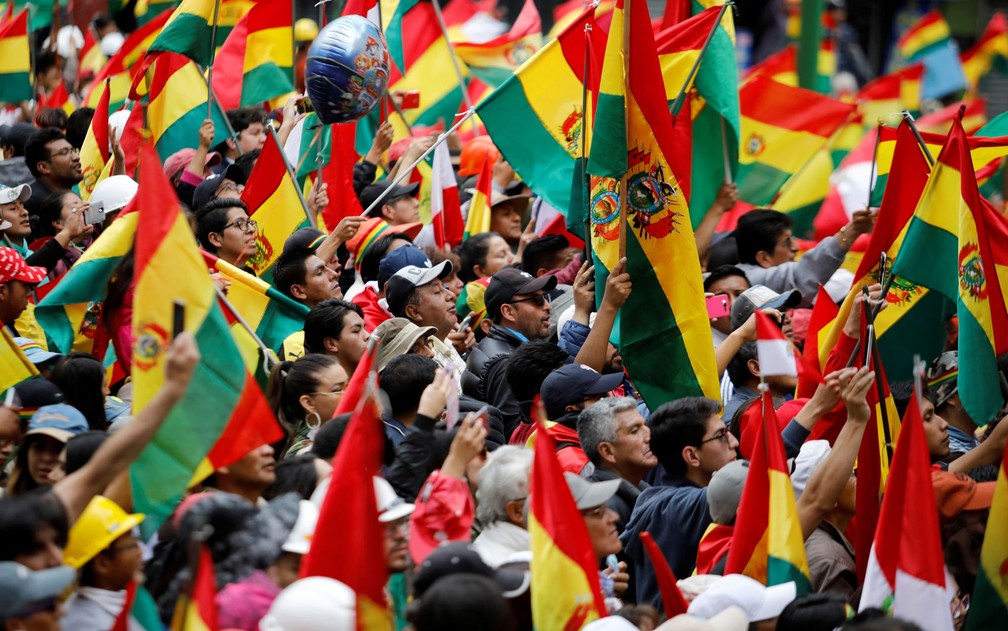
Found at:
(776, 354)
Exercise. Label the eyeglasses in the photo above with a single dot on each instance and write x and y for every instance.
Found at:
(135, 545)
(540, 300)
(721, 434)
(228, 186)
(328, 392)
(245, 225)
(64, 152)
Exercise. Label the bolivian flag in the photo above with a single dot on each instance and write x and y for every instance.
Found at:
(478, 219)
(494, 61)
(15, 60)
(256, 61)
(223, 398)
(197, 611)
(927, 35)
(990, 48)
(15, 366)
(95, 152)
(890, 94)
(782, 67)
(957, 244)
(989, 607)
(121, 69)
(275, 204)
(782, 128)
(767, 543)
(188, 31)
(664, 329)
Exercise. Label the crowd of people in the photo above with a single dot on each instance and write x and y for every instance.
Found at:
(479, 348)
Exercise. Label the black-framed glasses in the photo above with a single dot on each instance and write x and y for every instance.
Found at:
(721, 434)
(540, 300)
(65, 151)
(243, 224)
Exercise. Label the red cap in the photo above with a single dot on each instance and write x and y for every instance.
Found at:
(957, 492)
(13, 267)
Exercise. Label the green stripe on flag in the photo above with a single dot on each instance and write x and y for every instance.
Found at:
(979, 387)
(758, 182)
(780, 571)
(187, 34)
(16, 87)
(184, 132)
(263, 83)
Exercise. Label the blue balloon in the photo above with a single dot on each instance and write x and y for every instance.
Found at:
(347, 69)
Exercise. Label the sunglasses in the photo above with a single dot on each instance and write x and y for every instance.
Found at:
(540, 300)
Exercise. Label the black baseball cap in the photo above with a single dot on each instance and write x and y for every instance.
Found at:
(571, 384)
(206, 189)
(459, 557)
(304, 239)
(372, 191)
(401, 285)
(510, 282)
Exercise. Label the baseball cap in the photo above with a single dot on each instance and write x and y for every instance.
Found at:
(399, 258)
(724, 493)
(401, 285)
(391, 507)
(811, 455)
(304, 239)
(60, 421)
(36, 393)
(756, 600)
(510, 282)
(570, 384)
(9, 194)
(20, 586)
(371, 192)
(181, 159)
(397, 336)
(731, 619)
(13, 267)
(459, 557)
(761, 297)
(208, 187)
(957, 492)
(373, 229)
(590, 494)
(943, 377)
(35, 352)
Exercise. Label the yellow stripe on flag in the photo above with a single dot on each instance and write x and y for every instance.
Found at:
(14, 55)
(780, 148)
(561, 595)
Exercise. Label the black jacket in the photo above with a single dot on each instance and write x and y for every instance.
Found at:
(485, 377)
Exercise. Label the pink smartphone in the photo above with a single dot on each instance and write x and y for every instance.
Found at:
(717, 306)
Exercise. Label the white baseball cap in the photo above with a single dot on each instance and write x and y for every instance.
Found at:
(755, 599)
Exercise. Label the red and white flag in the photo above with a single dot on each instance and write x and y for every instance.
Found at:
(906, 569)
(776, 353)
(446, 214)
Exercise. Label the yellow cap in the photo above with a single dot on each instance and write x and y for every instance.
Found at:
(305, 30)
(101, 523)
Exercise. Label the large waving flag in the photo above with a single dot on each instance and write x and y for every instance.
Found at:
(188, 31)
(565, 582)
(122, 67)
(990, 592)
(991, 48)
(890, 94)
(15, 367)
(15, 60)
(256, 61)
(782, 128)
(927, 35)
(178, 105)
(632, 138)
(494, 61)
(223, 398)
(95, 152)
(478, 219)
(535, 118)
(767, 542)
(906, 571)
(274, 203)
(349, 512)
(782, 67)
(957, 244)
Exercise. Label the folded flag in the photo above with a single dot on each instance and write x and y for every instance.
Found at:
(890, 94)
(15, 60)
(59, 99)
(927, 35)
(197, 611)
(906, 570)
(990, 49)
(478, 219)
(782, 67)
(776, 354)
(95, 152)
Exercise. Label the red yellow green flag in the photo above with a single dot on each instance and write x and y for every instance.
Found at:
(767, 543)
(223, 398)
(188, 31)
(15, 60)
(478, 219)
(95, 153)
(255, 62)
(957, 245)
(196, 611)
(782, 67)
(989, 606)
(494, 61)
(664, 330)
(565, 582)
(126, 64)
(991, 48)
(274, 203)
(890, 94)
(15, 366)
(925, 36)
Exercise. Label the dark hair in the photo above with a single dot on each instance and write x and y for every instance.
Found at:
(294, 474)
(101, 21)
(36, 150)
(738, 366)
(461, 602)
(77, 126)
(721, 272)
(288, 381)
(23, 516)
(290, 269)
(81, 447)
(542, 251)
(530, 364)
(328, 438)
(679, 424)
(45, 60)
(875, 619)
(724, 252)
(244, 117)
(246, 161)
(374, 254)
(473, 252)
(404, 379)
(51, 117)
(49, 211)
(212, 217)
(326, 319)
(903, 392)
(80, 377)
(814, 612)
(757, 231)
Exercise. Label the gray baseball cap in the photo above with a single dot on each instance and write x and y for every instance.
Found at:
(21, 587)
(761, 297)
(590, 494)
(724, 493)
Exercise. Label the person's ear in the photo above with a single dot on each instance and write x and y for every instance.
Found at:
(298, 292)
(753, 366)
(605, 451)
(331, 345)
(479, 271)
(411, 313)
(215, 239)
(306, 403)
(508, 312)
(43, 167)
(515, 510)
(764, 259)
(232, 142)
(691, 456)
(387, 211)
(485, 325)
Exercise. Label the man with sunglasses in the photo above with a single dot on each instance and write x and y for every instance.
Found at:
(53, 162)
(519, 308)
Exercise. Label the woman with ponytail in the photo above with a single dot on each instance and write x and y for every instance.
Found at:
(304, 395)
